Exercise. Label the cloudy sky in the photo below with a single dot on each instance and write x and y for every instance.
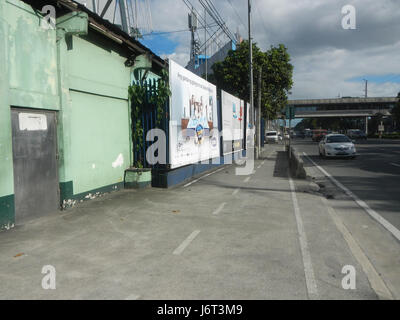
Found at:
(328, 60)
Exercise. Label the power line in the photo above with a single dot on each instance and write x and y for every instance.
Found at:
(199, 18)
(259, 13)
(156, 33)
(237, 14)
(213, 12)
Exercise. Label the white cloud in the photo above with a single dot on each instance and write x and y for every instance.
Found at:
(323, 54)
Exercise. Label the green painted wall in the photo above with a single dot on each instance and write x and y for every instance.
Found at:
(28, 78)
(95, 148)
(99, 141)
(84, 78)
(143, 69)
(32, 58)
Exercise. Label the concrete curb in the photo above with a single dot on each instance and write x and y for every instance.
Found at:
(296, 164)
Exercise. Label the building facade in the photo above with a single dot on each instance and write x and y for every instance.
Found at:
(64, 113)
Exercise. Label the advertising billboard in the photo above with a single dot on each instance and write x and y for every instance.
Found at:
(232, 123)
(193, 122)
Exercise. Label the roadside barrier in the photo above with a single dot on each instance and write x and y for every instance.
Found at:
(296, 164)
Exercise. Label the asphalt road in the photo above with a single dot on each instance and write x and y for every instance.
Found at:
(374, 176)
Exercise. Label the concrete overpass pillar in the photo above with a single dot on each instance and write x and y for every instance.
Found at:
(366, 125)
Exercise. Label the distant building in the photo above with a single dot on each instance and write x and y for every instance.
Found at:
(198, 65)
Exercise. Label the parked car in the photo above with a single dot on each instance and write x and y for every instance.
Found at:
(271, 137)
(356, 134)
(318, 134)
(337, 145)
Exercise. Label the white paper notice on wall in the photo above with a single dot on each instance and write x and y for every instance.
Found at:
(32, 121)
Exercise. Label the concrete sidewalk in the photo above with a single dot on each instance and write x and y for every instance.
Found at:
(225, 236)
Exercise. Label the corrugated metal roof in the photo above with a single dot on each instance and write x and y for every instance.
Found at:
(101, 25)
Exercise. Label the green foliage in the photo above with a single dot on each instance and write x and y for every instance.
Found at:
(161, 96)
(157, 100)
(232, 75)
(393, 135)
(137, 95)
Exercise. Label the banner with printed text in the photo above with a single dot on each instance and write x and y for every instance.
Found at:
(193, 125)
(232, 123)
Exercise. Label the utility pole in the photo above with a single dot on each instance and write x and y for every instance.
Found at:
(136, 16)
(258, 127)
(122, 11)
(366, 88)
(193, 28)
(94, 6)
(251, 71)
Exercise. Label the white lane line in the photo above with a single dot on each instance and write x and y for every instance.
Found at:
(377, 283)
(259, 166)
(206, 175)
(186, 242)
(246, 180)
(262, 163)
(219, 209)
(395, 164)
(234, 193)
(308, 268)
(132, 297)
(386, 224)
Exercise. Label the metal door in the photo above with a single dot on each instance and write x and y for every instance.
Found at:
(34, 138)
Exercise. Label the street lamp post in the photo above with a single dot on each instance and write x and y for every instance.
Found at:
(251, 74)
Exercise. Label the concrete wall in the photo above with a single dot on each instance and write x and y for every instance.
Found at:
(28, 78)
(96, 144)
(84, 78)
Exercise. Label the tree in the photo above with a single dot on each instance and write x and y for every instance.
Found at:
(232, 75)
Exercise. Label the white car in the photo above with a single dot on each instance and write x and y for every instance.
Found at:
(271, 137)
(337, 145)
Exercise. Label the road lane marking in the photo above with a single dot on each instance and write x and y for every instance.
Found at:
(219, 209)
(262, 163)
(305, 253)
(186, 242)
(246, 180)
(206, 175)
(258, 167)
(377, 283)
(132, 297)
(234, 193)
(386, 224)
(395, 164)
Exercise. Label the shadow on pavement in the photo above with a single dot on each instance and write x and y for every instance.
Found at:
(281, 165)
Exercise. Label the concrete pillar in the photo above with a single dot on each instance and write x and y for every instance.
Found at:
(366, 125)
